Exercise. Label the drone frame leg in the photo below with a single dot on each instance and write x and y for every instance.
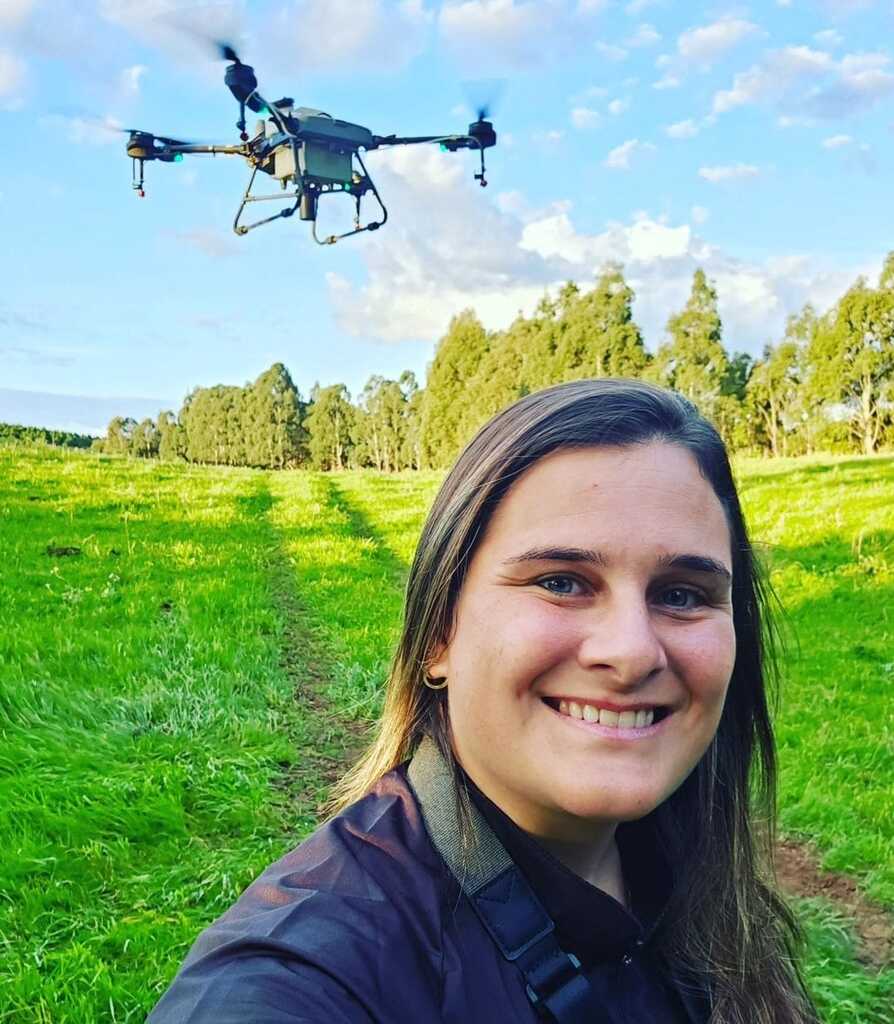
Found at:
(137, 176)
(243, 229)
(372, 226)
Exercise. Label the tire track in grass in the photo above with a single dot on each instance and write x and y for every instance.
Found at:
(337, 588)
(324, 741)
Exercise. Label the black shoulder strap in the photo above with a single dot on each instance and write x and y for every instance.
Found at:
(502, 897)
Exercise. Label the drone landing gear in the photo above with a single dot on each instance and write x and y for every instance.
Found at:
(137, 174)
(360, 186)
(243, 229)
(482, 181)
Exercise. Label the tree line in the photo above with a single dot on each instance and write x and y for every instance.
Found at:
(826, 384)
(40, 435)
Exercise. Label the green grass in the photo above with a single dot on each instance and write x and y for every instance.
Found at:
(148, 727)
(144, 717)
(827, 529)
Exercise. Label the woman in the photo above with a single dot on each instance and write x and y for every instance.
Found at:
(554, 819)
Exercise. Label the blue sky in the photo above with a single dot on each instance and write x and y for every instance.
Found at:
(755, 140)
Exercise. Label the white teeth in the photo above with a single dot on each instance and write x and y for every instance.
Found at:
(622, 720)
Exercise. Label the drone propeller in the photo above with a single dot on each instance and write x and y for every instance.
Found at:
(483, 95)
(227, 52)
(173, 142)
(240, 79)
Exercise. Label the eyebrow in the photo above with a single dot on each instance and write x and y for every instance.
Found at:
(694, 563)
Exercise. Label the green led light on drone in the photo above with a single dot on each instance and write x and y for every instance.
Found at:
(178, 157)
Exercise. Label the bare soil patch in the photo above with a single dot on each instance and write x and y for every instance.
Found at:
(63, 551)
(334, 741)
(799, 874)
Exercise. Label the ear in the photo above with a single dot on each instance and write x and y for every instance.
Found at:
(437, 666)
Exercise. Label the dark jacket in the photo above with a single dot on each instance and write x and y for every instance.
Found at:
(363, 922)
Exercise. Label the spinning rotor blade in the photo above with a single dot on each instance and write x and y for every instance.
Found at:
(176, 142)
(227, 52)
(483, 96)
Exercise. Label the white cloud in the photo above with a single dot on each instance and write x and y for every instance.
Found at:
(181, 28)
(85, 131)
(593, 92)
(617, 107)
(645, 35)
(682, 129)
(837, 141)
(585, 117)
(12, 73)
(350, 33)
(514, 34)
(619, 158)
(638, 6)
(702, 46)
(699, 214)
(611, 52)
(811, 82)
(130, 79)
(667, 82)
(728, 172)
(14, 13)
(450, 248)
(548, 138)
(828, 37)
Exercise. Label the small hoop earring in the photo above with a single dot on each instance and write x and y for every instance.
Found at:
(434, 686)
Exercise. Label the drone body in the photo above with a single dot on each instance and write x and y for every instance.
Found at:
(309, 153)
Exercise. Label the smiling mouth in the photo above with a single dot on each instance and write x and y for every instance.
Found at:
(639, 718)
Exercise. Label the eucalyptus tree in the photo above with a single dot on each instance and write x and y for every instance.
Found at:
(330, 425)
(693, 360)
(272, 414)
(852, 357)
(446, 408)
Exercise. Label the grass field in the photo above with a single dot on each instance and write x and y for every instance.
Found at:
(162, 732)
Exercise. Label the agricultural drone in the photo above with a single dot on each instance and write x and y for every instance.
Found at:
(310, 153)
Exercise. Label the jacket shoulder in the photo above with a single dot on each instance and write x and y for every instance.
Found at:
(364, 892)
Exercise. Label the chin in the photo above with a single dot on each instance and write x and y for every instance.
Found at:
(601, 806)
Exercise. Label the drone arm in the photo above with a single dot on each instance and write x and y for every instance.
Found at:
(458, 141)
(228, 150)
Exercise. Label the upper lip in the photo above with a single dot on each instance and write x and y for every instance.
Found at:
(609, 705)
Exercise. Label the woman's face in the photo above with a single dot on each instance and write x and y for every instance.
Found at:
(593, 638)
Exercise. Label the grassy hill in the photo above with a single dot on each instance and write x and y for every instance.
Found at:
(185, 654)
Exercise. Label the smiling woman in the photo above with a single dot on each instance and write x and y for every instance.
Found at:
(567, 812)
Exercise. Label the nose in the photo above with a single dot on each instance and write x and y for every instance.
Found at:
(620, 638)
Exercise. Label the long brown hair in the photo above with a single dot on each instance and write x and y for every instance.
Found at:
(725, 925)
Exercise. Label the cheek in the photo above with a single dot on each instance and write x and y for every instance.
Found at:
(509, 643)
(705, 657)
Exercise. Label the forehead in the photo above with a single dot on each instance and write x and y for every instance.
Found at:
(650, 496)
